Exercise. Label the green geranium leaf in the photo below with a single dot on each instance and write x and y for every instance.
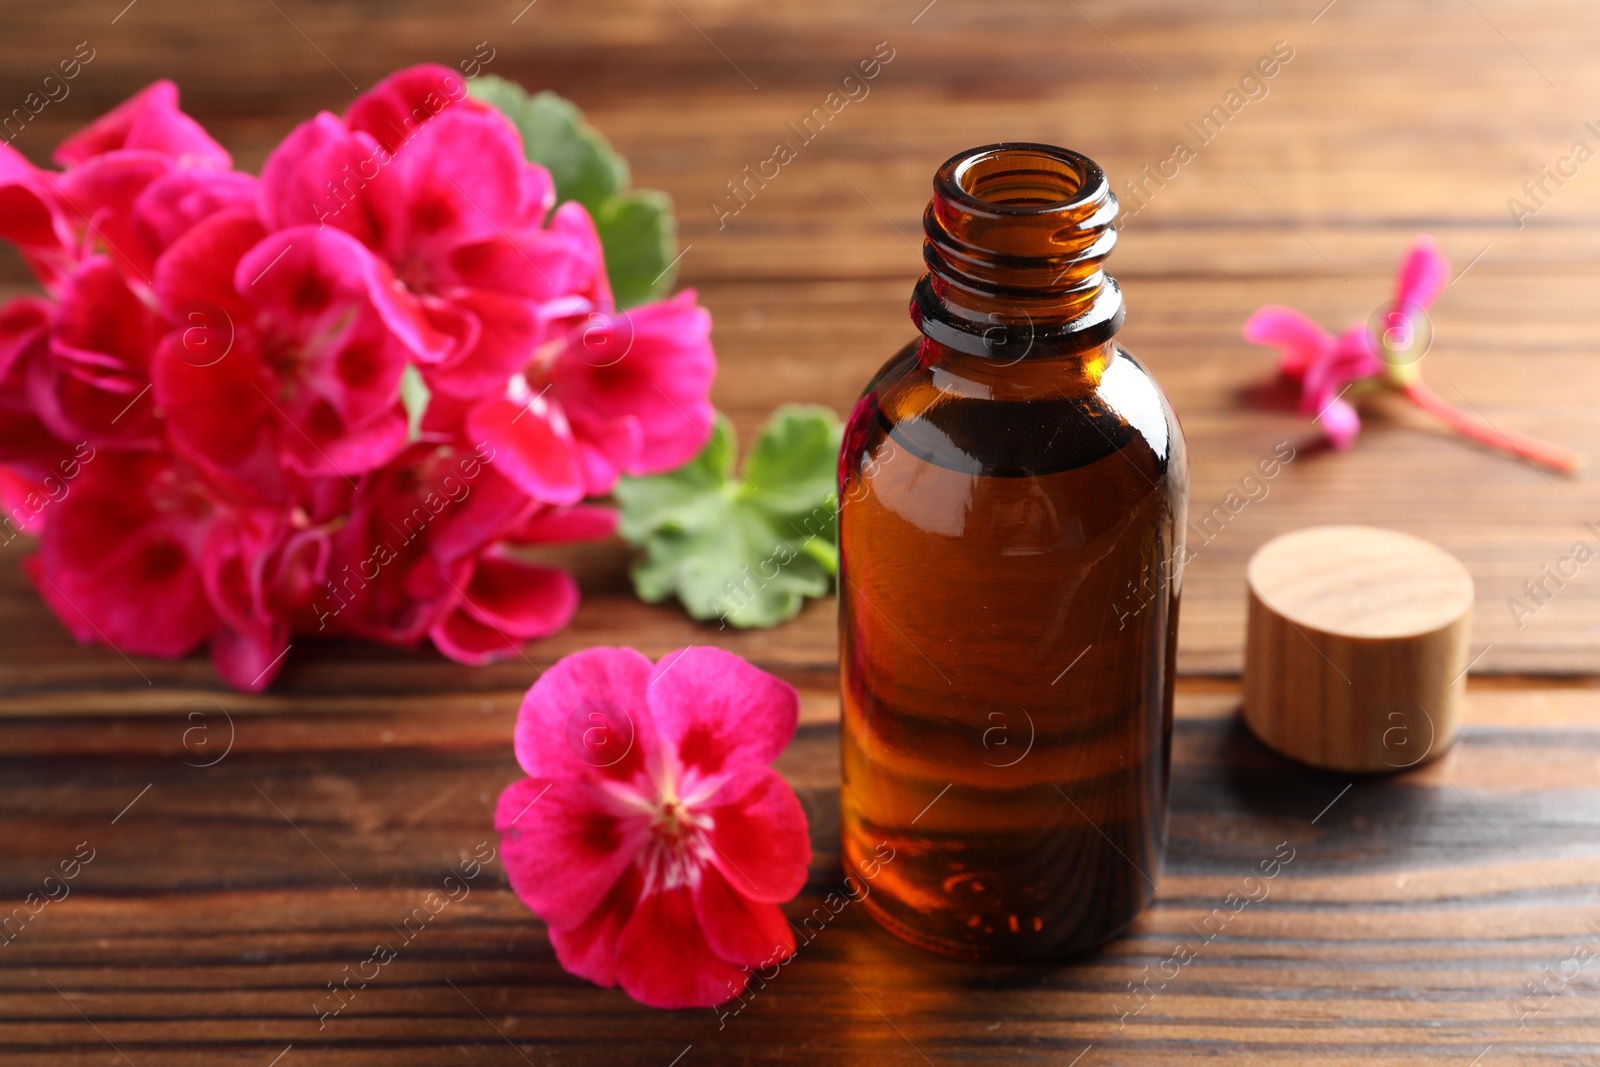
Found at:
(746, 548)
(636, 229)
(639, 235)
(414, 397)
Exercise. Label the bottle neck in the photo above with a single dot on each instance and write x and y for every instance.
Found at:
(1016, 234)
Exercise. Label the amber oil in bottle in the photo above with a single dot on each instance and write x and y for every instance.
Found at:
(1012, 490)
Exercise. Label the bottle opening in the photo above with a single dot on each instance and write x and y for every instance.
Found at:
(1023, 179)
(1023, 200)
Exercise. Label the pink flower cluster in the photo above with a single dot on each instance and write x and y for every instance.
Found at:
(328, 400)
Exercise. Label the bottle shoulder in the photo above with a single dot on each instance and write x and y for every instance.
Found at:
(1022, 420)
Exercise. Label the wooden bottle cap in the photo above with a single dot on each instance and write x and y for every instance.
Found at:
(1356, 650)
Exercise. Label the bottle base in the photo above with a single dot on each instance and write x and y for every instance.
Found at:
(1062, 951)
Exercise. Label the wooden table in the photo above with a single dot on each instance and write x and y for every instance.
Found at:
(247, 850)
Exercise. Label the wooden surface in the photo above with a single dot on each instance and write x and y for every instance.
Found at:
(217, 907)
(1417, 909)
(1356, 647)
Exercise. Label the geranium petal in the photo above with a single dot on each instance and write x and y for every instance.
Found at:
(455, 183)
(589, 950)
(32, 218)
(231, 561)
(742, 931)
(321, 448)
(217, 411)
(31, 452)
(101, 341)
(500, 332)
(1422, 273)
(174, 203)
(762, 842)
(506, 603)
(541, 264)
(99, 196)
(467, 640)
(1340, 423)
(484, 506)
(553, 525)
(318, 175)
(1355, 356)
(24, 322)
(147, 566)
(311, 277)
(109, 552)
(533, 446)
(95, 409)
(719, 713)
(1351, 359)
(608, 449)
(194, 277)
(308, 277)
(652, 366)
(150, 121)
(249, 660)
(1300, 340)
(523, 599)
(665, 961)
(100, 316)
(587, 717)
(564, 846)
(23, 498)
(573, 226)
(37, 457)
(322, 293)
(538, 193)
(393, 110)
(386, 526)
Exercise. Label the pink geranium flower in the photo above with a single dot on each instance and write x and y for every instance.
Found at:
(617, 393)
(1322, 365)
(139, 176)
(101, 338)
(651, 835)
(316, 336)
(136, 179)
(1385, 353)
(416, 556)
(135, 554)
(436, 185)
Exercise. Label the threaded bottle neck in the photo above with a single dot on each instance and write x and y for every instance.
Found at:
(1016, 234)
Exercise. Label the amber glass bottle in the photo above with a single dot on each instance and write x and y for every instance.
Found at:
(1012, 492)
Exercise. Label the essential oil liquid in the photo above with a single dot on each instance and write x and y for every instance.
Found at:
(1008, 615)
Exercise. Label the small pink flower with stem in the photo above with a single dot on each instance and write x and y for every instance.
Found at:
(1383, 354)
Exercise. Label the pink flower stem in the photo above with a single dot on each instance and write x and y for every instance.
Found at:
(1544, 453)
